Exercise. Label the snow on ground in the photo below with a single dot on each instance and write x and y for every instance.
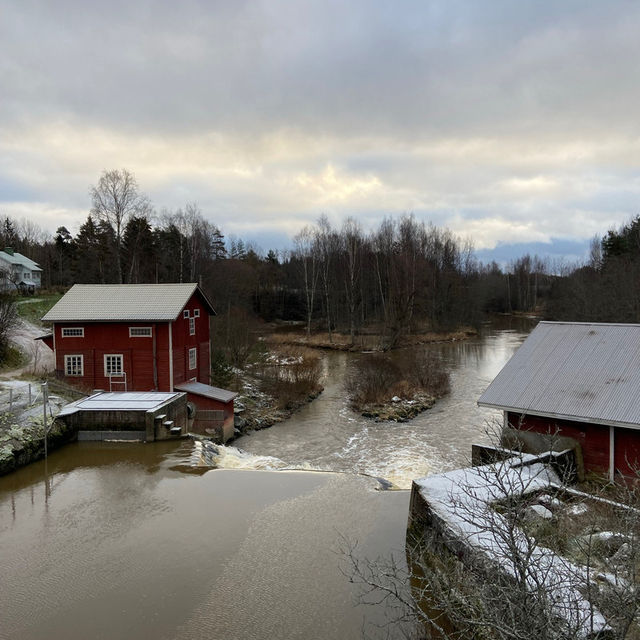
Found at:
(464, 501)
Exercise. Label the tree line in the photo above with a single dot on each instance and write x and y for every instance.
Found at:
(405, 276)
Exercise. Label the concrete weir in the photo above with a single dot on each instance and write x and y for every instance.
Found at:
(145, 416)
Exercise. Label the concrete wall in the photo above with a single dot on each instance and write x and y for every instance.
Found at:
(127, 425)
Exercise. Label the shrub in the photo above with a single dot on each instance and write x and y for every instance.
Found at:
(221, 370)
(290, 375)
(8, 320)
(375, 379)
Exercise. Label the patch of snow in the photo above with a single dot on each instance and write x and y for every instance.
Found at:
(578, 509)
(463, 500)
(538, 511)
(549, 501)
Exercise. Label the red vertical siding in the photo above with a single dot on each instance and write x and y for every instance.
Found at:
(138, 352)
(627, 451)
(107, 338)
(183, 341)
(593, 438)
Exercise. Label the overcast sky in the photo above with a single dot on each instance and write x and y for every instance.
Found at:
(506, 121)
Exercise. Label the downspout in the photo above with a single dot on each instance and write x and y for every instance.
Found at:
(55, 354)
(612, 449)
(155, 357)
(170, 356)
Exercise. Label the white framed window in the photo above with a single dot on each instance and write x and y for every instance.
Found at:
(73, 332)
(185, 313)
(74, 365)
(193, 358)
(140, 332)
(196, 313)
(192, 326)
(113, 364)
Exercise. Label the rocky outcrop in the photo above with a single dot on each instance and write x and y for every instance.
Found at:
(398, 409)
(21, 444)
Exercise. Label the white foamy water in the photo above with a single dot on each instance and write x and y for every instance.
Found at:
(327, 435)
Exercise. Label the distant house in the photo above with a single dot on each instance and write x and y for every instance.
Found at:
(17, 272)
(580, 381)
(140, 337)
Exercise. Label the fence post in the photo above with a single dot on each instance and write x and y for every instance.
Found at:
(45, 396)
(29, 394)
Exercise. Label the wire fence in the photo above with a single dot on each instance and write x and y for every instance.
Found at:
(20, 397)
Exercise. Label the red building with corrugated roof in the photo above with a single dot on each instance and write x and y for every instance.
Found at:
(140, 337)
(577, 383)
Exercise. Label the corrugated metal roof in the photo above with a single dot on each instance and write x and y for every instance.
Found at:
(123, 302)
(587, 372)
(200, 389)
(120, 401)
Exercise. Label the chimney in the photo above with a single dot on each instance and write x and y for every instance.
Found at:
(9, 250)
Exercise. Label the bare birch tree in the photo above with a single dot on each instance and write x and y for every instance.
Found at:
(306, 252)
(114, 200)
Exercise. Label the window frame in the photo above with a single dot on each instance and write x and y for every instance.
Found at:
(141, 335)
(107, 373)
(196, 313)
(185, 313)
(193, 358)
(70, 367)
(72, 335)
(192, 326)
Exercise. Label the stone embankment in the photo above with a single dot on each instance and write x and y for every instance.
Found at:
(257, 410)
(21, 444)
(398, 409)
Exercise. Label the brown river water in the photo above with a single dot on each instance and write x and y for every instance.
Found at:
(115, 540)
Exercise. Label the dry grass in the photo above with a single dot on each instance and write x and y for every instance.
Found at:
(290, 374)
(371, 341)
(376, 379)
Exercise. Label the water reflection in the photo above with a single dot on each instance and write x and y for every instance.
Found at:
(136, 549)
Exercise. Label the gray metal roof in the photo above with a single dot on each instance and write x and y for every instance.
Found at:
(18, 258)
(200, 389)
(120, 401)
(586, 372)
(123, 302)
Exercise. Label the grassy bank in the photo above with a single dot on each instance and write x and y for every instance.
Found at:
(33, 308)
(364, 342)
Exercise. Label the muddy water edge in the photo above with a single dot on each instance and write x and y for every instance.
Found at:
(132, 540)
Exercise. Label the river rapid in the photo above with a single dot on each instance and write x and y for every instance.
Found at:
(115, 540)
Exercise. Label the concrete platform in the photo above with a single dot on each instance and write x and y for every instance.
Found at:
(132, 415)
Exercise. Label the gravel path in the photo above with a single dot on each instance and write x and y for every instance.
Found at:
(40, 357)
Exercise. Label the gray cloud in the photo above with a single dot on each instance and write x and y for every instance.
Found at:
(520, 113)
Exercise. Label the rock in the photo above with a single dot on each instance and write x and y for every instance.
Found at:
(549, 501)
(538, 512)
(395, 399)
(578, 509)
(622, 555)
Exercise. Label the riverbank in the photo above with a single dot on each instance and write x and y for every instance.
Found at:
(398, 409)
(365, 341)
(23, 442)
(256, 409)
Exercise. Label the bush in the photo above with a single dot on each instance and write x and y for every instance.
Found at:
(290, 375)
(221, 370)
(375, 379)
(8, 320)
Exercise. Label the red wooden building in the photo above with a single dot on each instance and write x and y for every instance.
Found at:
(580, 381)
(138, 337)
